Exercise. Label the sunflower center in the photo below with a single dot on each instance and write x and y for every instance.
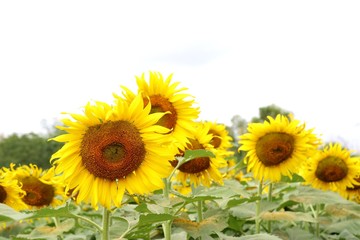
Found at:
(161, 104)
(331, 169)
(3, 194)
(195, 165)
(216, 140)
(37, 193)
(112, 150)
(274, 148)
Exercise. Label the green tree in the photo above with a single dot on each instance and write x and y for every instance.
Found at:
(271, 110)
(28, 148)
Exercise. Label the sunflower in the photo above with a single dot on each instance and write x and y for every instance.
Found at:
(221, 139)
(352, 193)
(42, 187)
(202, 170)
(332, 168)
(113, 149)
(165, 96)
(276, 147)
(10, 190)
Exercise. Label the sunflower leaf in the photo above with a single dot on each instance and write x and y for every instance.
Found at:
(49, 232)
(198, 153)
(63, 211)
(153, 218)
(9, 214)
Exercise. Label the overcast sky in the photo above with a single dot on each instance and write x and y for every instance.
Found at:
(233, 56)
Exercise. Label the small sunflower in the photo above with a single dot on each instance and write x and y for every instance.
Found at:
(201, 170)
(352, 193)
(221, 139)
(42, 187)
(165, 96)
(10, 190)
(113, 149)
(332, 168)
(277, 147)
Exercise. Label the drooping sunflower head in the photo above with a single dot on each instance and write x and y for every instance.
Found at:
(201, 170)
(10, 190)
(332, 168)
(221, 139)
(277, 147)
(42, 187)
(165, 96)
(352, 193)
(112, 149)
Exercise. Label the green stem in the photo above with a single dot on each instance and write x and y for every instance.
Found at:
(317, 224)
(257, 218)
(105, 224)
(200, 210)
(99, 228)
(167, 224)
(270, 200)
(57, 223)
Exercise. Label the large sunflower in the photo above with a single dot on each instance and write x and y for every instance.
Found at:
(332, 168)
(277, 147)
(165, 96)
(110, 150)
(10, 190)
(201, 170)
(42, 187)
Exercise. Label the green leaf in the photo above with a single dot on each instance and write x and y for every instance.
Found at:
(152, 218)
(191, 154)
(10, 214)
(259, 236)
(287, 216)
(295, 178)
(310, 195)
(299, 234)
(119, 226)
(215, 223)
(62, 211)
(48, 232)
(344, 210)
(352, 225)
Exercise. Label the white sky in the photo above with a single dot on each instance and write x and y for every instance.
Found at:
(303, 56)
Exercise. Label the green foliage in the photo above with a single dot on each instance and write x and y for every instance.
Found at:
(271, 110)
(27, 148)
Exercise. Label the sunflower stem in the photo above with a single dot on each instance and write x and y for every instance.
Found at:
(97, 226)
(200, 210)
(317, 224)
(167, 224)
(257, 218)
(270, 200)
(105, 224)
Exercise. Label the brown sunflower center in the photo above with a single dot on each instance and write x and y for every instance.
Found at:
(3, 194)
(37, 193)
(161, 104)
(112, 150)
(195, 165)
(331, 169)
(274, 148)
(216, 140)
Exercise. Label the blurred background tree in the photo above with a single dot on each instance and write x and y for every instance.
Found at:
(271, 110)
(29, 148)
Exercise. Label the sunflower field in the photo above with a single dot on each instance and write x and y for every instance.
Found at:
(144, 167)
